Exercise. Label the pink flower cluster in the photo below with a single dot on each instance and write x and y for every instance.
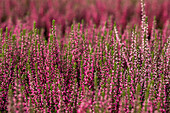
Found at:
(97, 68)
(66, 12)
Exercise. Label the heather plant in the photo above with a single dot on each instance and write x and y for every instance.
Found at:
(95, 69)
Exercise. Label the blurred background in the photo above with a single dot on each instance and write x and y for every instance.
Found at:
(124, 12)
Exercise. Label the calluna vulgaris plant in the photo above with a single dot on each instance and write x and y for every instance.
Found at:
(96, 69)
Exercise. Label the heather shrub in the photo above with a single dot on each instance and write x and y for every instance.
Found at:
(94, 69)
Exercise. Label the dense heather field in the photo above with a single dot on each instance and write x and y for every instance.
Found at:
(93, 65)
(66, 12)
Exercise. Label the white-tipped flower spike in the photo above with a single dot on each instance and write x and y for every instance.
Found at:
(144, 26)
(121, 44)
(144, 23)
